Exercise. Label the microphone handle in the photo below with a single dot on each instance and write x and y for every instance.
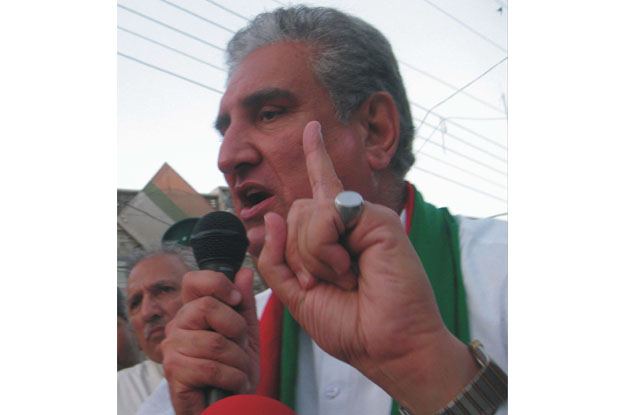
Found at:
(215, 394)
(212, 395)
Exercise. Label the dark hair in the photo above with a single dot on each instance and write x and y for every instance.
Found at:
(352, 59)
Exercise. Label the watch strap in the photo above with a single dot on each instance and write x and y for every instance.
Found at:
(486, 391)
(484, 394)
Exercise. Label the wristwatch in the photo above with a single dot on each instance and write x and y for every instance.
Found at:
(484, 394)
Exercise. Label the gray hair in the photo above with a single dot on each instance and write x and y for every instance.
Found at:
(352, 60)
(166, 248)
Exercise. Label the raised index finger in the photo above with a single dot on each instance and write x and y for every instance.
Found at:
(323, 179)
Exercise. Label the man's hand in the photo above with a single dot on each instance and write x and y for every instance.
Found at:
(209, 343)
(383, 321)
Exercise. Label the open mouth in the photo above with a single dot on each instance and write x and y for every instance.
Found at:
(254, 202)
(254, 197)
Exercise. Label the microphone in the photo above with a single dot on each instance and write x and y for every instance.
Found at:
(219, 242)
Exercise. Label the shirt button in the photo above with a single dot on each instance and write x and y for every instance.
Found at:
(332, 391)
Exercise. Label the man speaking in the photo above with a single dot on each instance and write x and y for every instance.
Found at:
(381, 300)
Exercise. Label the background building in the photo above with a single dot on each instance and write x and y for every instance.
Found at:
(144, 215)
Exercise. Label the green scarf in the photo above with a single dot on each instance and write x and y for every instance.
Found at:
(434, 235)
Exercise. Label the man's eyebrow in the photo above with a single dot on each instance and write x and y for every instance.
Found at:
(132, 298)
(155, 285)
(253, 100)
(222, 122)
(264, 95)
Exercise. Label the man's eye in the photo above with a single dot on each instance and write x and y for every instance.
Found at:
(166, 289)
(270, 115)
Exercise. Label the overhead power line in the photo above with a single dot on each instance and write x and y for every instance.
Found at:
(408, 65)
(464, 87)
(171, 27)
(490, 140)
(464, 156)
(198, 16)
(221, 92)
(465, 142)
(228, 10)
(466, 186)
(447, 84)
(462, 170)
(476, 118)
(466, 26)
(172, 49)
(170, 73)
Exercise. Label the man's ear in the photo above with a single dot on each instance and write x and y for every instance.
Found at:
(378, 114)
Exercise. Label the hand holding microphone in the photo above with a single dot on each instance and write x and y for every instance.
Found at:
(212, 344)
(219, 243)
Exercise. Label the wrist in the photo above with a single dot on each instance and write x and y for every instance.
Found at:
(431, 376)
(484, 394)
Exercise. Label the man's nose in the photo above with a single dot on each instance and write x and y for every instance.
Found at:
(150, 309)
(237, 150)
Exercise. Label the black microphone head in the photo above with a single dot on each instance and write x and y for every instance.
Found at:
(219, 242)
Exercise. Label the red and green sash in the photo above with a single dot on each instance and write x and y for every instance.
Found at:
(434, 235)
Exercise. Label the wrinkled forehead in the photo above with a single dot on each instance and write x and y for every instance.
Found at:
(279, 66)
(152, 269)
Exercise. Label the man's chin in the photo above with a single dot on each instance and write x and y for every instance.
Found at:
(156, 355)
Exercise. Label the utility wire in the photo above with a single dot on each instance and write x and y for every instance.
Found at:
(490, 140)
(221, 92)
(418, 70)
(169, 73)
(228, 10)
(198, 16)
(447, 84)
(466, 26)
(414, 68)
(171, 27)
(459, 154)
(172, 49)
(461, 184)
(463, 170)
(476, 118)
(464, 87)
(467, 143)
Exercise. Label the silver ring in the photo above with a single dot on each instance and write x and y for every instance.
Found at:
(349, 204)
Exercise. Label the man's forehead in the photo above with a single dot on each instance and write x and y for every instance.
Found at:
(155, 268)
(272, 66)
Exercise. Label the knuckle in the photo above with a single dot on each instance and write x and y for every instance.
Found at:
(217, 345)
(241, 383)
(211, 370)
(207, 304)
(171, 363)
